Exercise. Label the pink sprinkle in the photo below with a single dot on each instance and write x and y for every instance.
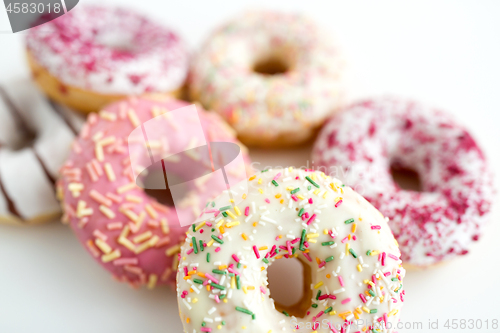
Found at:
(385, 318)
(220, 236)
(296, 240)
(307, 256)
(289, 248)
(277, 176)
(383, 258)
(206, 329)
(322, 297)
(267, 200)
(347, 300)
(392, 256)
(354, 237)
(311, 220)
(217, 249)
(262, 290)
(247, 210)
(201, 231)
(189, 251)
(338, 203)
(310, 200)
(98, 234)
(341, 281)
(345, 239)
(387, 273)
(126, 261)
(231, 270)
(294, 197)
(185, 271)
(376, 227)
(210, 277)
(320, 314)
(208, 224)
(306, 244)
(256, 251)
(374, 279)
(363, 298)
(321, 264)
(277, 238)
(334, 330)
(217, 299)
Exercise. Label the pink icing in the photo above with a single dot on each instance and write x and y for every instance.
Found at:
(362, 142)
(110, 50)
(121, 208)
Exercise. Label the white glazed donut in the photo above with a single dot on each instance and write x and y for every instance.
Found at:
(35, 139)
(344, 243)
(275, 77)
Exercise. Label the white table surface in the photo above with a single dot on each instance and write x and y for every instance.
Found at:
(443, 52)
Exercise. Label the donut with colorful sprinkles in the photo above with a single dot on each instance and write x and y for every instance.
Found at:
(275, 77)
(355, 280)
(123, 226)
(95, 55)
(441, 221)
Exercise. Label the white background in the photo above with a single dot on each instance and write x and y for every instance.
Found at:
(443, 52)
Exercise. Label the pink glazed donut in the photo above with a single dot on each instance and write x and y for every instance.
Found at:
(127, 231)
(439, 223)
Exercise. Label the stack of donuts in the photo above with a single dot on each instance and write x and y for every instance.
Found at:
(263, 79)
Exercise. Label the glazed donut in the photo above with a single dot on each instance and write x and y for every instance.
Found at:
(34, 142)
(274, 77)
(431, 226)
(126, 230)
(350, 256)
(95, 55)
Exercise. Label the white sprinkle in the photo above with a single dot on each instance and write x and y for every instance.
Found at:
(248, 218)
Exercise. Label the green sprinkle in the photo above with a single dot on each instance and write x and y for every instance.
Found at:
(309, 187)
(286, 313)
(328, 243)
(293, 250)
(225, 208)
(373, 311)
(198, 281)
(222, 296)
(202, 248)
(213, 229)
(295, 190)
(218, 271)
(231, 274)
(329, 310)
(265, 260)
(244, 310)
(371, 292)
(215, 238)
(302, 239)
(238, 265)
(218, 286)
(203, 324)
(349, 221)
(265, 170)
(213, 203)
(208, 257)
(314, 305)
(274, 182)
(194, 227)
(223, 322)
(238, 282)
(301, 211)
(369, 252)
(195, 246)
(318, 295)
(312, 181)
(329, 259)
(224, 214)
(353, 253)
(253, 316)
(394, 279)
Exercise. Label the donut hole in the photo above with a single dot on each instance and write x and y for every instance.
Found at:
(289, 286)
(406, 178)
(150, 183)
(272, 65)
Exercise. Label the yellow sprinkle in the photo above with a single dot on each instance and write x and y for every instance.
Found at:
(245, 289)
(312, 235)
(222, 267)
(319, 284)
(325, 195)
(359, 268)
(252, 178)
(392, 313)
(210, 243)
(347, 248)
(132, 116)
(301, 197)
(133, 198)
(312, 240)
(153, 278)
(277, 196)
(244, 196)
(199, 226)
(103, 246)
(111, 256)
(219, 327)
(353, 230)
(233, 282)
(237, 210)
(219, 223)
(125, 242)
(316, 191)
(195, 300)
(325, 232)
(230, 214)
(146, 245)
(173, 250)
(142, 237)
(107, 211)
(263, 248)
(365, 309)
(260, 190)
(244, 236)
(125, 188)
(259, 181)
(109, 172)
(225, 300)
(99, 152)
